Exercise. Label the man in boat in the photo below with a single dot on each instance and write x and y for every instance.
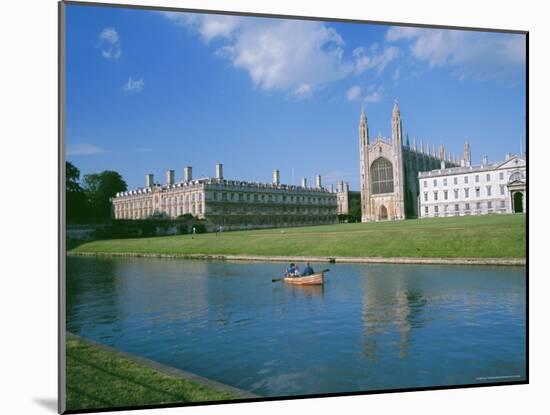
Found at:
(308, 270)
(291, 270)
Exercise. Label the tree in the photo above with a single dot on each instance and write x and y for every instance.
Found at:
(354, 214)
(75, 197)
(99, 189)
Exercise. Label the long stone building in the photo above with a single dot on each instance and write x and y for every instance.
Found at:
(389, 171)
(232, 204)
(475, 190)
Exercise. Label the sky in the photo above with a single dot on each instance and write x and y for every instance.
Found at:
(149, 91)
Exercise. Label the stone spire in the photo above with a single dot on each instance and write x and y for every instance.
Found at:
(421, 146)
(433, 150)
(441, 152)
(414, 142)
(396, 126)
(408, 143)
(363, 128)
(467, 154)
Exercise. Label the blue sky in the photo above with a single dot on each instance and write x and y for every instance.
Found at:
(150, 91)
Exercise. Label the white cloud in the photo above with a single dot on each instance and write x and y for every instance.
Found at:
(287, 55)
(134, 85)
(373, 59)
(374, 94)
(83, 150)
(353, 93)
(479, 55)
(110, 43)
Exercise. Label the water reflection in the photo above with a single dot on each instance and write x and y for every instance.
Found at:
(391, 302)
(368, 327)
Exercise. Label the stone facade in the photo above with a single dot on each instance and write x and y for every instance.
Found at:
(389, 171)
(475, 190)
(231, 204)
(342, 198)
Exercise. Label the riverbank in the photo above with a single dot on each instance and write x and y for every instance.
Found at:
(348, 260)
(487, 237)
(99, 376)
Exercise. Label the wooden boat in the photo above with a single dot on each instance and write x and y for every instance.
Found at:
(314, 279)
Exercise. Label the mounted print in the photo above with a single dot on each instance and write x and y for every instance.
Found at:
(257, 207)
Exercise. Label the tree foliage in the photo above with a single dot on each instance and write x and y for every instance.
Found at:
(74, 194)
(99, 189)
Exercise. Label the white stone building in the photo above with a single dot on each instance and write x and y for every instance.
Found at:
(474, 190)
(233, 204)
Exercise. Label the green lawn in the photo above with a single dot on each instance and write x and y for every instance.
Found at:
(491, 236)
(97, 379)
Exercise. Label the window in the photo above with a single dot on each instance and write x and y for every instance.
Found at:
(436, 209)
(382, 176)
(456, 194)
(466, 192)
(435, 195)
(435, 182)
(501, 175)
(445, 195)
(477, 191)
(444, 182)
(488, 177)
(501, 189)
(467, 206)
(465, 179)
(516, 176)
(455, 180)
(502, 204)
(425, 183)
(490, 205)
(425, 196)
(224, 197)
(426, 210)
(477, 178)
(457, 207)
(488, 190)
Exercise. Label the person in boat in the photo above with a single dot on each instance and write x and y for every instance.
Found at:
(308, 270)
(291, 270)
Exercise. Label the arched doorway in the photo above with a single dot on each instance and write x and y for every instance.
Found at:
(518, 202)
(383, 213)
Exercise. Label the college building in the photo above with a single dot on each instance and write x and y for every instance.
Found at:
(475, 190)
(232, 204)
(389, 171)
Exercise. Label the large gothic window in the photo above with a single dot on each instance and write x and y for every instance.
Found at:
(381, 176)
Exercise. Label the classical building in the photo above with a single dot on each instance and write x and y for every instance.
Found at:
(389, 171)
(475, 190)
(233, 204)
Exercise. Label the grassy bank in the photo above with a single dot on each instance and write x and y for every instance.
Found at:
(491, 236)
(97, 378)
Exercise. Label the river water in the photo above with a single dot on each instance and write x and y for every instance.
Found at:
(369, 327)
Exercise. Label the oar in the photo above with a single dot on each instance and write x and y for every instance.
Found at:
(281, 279)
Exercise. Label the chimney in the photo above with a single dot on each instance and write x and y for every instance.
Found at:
(485, 161)
(276, 177)
(170, 177)
(219, 171)
(318, 181)
(340, 186)
(331, 188)
(187, 173)
(149, 180)
(346, 187)
(442, 165)
(304, 182)
(508, 156)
